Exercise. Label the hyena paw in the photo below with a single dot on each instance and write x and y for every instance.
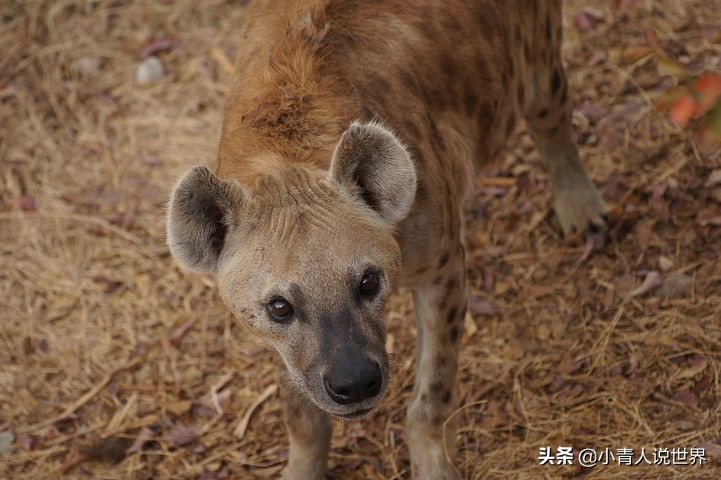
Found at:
(292, 472)
(431, 464)
(580, 210)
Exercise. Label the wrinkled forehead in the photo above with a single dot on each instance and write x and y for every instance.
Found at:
(307, 227)
(315, 238)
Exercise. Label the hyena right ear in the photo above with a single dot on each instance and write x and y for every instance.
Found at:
(201, 212)
(370, 161)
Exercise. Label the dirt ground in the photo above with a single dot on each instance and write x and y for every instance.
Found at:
(115, 364)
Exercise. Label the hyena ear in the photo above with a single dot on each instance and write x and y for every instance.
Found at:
(371, 161)
(200, 214)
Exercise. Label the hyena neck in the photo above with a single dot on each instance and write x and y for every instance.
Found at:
(287, 112)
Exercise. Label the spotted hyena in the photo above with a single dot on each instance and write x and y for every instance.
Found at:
(350, 140)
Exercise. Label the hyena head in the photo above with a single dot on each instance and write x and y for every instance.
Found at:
(307, 259)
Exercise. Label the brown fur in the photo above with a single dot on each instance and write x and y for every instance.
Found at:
(298, 208)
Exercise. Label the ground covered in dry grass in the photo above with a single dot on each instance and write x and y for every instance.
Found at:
(115, 364)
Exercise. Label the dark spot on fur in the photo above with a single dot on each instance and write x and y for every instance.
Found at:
(564, 95)
(436, 387)
(470, 100)
(555, 82)
(562, 119)
(548, 28)
(455, 333)
(437, 280)
(510, 123)
(444, 260)
(422, 270)
(444, 303)
(411, 129)
(449, 68)
(452, 315)
(409, 80)
(543, 113)
(446, 396)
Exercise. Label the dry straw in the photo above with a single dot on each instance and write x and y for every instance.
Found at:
(115, 364)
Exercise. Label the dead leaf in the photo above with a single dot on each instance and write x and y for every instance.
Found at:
(697, 363)
(480, 307)
(686, 397)
(181, 435)
(587, 20)
(180, 407)
(708, 216)
(28, 442)
(20, 202)
(158, 45)
(711, 449)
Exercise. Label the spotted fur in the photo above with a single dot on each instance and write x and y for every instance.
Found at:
(350, 138)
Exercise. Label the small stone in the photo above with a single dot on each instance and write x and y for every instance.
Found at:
(6, 442)
(150, 71)
(665, 263)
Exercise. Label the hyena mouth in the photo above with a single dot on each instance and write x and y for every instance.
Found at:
(357, 414)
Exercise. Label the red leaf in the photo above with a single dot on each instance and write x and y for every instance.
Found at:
(683, 110)
(709, 83)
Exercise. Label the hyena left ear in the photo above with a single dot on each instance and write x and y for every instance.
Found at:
(201, 213)
(372, 162)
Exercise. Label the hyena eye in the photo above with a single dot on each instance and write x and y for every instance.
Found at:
(280, 309)
(369, 284)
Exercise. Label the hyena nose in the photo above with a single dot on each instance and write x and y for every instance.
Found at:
(353, 380)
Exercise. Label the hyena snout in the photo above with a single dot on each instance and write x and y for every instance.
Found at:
(352, 378)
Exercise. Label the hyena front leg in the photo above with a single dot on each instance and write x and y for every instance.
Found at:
(577, 203)
(309, 432)
(440, 310)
